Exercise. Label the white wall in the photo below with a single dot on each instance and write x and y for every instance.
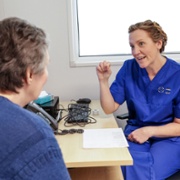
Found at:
(51, 15)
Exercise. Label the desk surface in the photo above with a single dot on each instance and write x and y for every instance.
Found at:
(72, 144)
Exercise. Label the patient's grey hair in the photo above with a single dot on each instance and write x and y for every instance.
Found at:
(22, 46)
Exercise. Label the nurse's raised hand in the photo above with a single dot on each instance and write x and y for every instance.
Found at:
(103, 70)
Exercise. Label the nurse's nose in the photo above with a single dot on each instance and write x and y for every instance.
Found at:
(135, 51)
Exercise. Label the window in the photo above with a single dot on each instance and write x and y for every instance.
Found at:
(98, 29)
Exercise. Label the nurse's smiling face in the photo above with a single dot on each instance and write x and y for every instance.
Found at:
(143, 48)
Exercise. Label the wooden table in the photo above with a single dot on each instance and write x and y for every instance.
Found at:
(92, 162)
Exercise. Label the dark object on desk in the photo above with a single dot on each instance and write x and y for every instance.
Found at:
(84, 101)
(52, 107)
(32, 106)
(68, 131)
(78, 113)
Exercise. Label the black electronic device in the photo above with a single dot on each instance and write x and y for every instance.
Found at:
(32, 106)
(51, 107)
(78, 113)
(84, 101)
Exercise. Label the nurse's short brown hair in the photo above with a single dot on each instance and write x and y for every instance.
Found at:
(154, 29)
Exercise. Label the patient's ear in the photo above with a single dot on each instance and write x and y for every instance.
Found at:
(29, 76)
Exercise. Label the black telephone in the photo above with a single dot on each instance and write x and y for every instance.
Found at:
(32, 106)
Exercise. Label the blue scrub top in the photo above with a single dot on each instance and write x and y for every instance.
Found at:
(149, 102)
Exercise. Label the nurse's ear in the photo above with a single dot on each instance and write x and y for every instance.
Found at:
(159, 44)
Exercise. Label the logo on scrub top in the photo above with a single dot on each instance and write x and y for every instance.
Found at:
(164, 90)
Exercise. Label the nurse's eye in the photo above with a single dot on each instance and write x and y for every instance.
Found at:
(131, 46)
(141, 43)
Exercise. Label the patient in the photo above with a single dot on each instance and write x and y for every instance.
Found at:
(28, 148)
(150, 85)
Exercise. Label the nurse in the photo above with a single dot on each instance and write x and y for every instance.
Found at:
(150, 85)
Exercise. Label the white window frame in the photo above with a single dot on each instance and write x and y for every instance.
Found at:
(76, 60)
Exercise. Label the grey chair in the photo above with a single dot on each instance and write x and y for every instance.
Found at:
(175, 176)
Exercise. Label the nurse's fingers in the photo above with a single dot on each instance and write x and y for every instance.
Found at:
(103, 66)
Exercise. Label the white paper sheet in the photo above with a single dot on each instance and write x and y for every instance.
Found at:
(104, 138)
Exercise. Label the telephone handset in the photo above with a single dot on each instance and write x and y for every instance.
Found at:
(32, 106)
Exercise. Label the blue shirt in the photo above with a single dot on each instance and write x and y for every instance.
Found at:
(28, 148)
(149, 102)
